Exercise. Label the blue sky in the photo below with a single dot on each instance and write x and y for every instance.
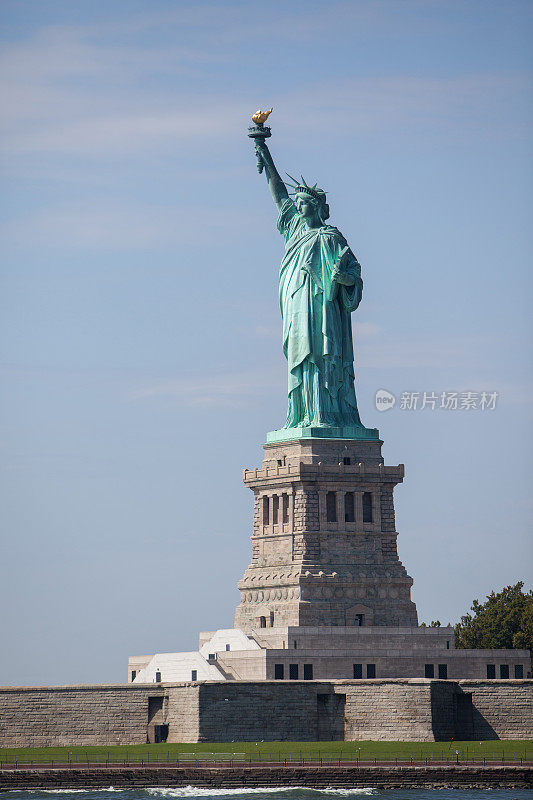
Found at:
(140, 342)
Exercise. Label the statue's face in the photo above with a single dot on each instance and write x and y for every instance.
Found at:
(305, 207)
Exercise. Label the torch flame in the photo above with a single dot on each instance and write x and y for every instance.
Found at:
(261, 116)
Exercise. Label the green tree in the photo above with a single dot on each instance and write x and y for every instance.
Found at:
(505, 620)
(523, 638)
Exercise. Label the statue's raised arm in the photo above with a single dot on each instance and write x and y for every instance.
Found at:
(277, 188)
(259, 133)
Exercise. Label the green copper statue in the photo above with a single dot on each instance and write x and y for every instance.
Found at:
(319, 286)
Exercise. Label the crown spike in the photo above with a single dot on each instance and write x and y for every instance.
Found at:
(294, 183)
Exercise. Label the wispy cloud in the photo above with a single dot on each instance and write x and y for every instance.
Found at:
(415, 353)
(400, 105)
(68, 90)
(124, 132)
(380, 348)
(267, 331)
(122, 226)
(407, 105)
(366, 330)
(233, 389)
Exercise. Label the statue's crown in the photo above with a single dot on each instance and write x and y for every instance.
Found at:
(303, 188)
(318, 195)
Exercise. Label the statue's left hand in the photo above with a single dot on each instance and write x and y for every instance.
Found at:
(339, 274)
(342, 277)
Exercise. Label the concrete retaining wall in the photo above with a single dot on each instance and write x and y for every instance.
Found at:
(382, 710)
(251, 712)
(323, 777)
(402, 709)
(501, 707)
(93, 715)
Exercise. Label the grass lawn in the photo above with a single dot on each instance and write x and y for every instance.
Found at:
(275, 750)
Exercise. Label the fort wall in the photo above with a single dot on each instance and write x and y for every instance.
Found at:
(500, 708)
(49, 716)
(381, 709)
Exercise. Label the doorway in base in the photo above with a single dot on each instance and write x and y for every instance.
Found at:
(330, 717)
(156, 718)
(160, 733)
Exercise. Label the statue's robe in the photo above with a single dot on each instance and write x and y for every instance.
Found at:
(317, 328)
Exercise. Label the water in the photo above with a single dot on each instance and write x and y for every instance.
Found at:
(272, 793)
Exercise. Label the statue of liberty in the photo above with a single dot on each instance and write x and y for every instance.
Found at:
(319, 286)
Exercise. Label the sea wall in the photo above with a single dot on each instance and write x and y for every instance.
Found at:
(315, 776)
(403, 709)
(501, 709)
(47, 716)
(394, 710)
(250, 712)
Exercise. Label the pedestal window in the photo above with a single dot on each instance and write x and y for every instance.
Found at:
(349, 507)
(285, 509)
(275, 509)
(367, 507)
(266, 511)
(331, 507)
